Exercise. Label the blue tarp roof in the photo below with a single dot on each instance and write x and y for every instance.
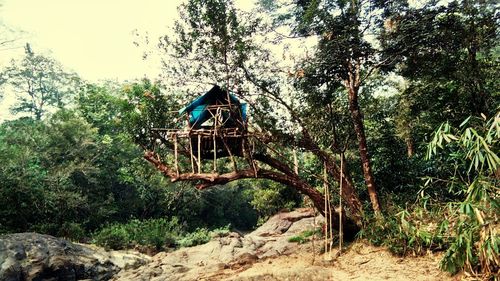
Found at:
(197, 109)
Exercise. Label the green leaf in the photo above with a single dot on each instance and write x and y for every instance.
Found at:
(465, 121)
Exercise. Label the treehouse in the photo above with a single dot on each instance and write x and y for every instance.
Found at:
(215, 127)
(216, 109)
(216, 122)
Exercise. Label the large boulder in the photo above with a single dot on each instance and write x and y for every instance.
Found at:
(235, 252)
(32, 256)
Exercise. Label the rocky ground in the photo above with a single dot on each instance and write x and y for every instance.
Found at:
(264, 254)
(32, 256)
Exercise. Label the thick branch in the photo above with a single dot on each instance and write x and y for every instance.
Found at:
(211, 179)
(289, 179)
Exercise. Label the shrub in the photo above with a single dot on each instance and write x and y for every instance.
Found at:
(407, 231)
(153, 233)
(469, 230)
(272, 197)
(157, 233)
(221, 231)
(199, 236)
(115, 237)
(297, 239)
(71, 230)
(475, 246)
(303, 237)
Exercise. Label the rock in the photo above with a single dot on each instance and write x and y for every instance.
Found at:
(232, 252)
(280, 223)
(32, 256)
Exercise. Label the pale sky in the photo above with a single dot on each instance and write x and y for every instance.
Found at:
(93, 38)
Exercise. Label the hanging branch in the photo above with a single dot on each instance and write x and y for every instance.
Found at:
(207, 180)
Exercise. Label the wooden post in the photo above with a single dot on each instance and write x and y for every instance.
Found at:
(199, 154)
(215, 139)
(215, 152)
(191, 152)
(330, 213)
(295, 162)
(175, 155)
(314, 235)
(235, 167)
(325, 187)
(340, 199)
(251, 151)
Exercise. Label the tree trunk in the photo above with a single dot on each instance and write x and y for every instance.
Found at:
(357, 120)
(285, 176)
(349, 194)
(410, 146)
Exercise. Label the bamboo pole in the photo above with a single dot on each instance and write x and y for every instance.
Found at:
(215, 141)
(175, 155)
(325, 187)
(252, 150)
(215, 152)
(191, 154)
(315, 229)
(330, 213)
(223, 138)
(340, 200)
(235, 167)
(295, 162)
(199, 154)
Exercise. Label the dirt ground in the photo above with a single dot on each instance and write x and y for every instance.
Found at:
(267, 254)
(358, 262)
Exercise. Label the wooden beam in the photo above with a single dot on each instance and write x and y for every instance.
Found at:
(235, 167)
(215, 151)
(176, 155)
(199, 154)
(214, 135)
(295, 162)
(191, 154)
(340, 200)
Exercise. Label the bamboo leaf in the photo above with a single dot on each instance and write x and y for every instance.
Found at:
(479, 216)
(465, 121)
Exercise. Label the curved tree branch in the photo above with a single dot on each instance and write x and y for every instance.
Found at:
(207, 180)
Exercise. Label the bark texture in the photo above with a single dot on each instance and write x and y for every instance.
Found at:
(352, 85)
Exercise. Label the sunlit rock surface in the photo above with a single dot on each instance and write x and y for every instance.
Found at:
(32, 256)
(232, 252)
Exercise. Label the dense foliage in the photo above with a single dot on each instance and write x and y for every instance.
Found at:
(407, 96)
(153, 235)
(78, 170)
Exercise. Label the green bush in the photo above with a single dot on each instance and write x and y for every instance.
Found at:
(71, 230)
(221, 231)
(158, 233)
(406, 231)
(115, 237)
(297, 239)
(467, 227)
(198, 237)
(271, 197)
(303, 237)
(154, 233)
(475, 245)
